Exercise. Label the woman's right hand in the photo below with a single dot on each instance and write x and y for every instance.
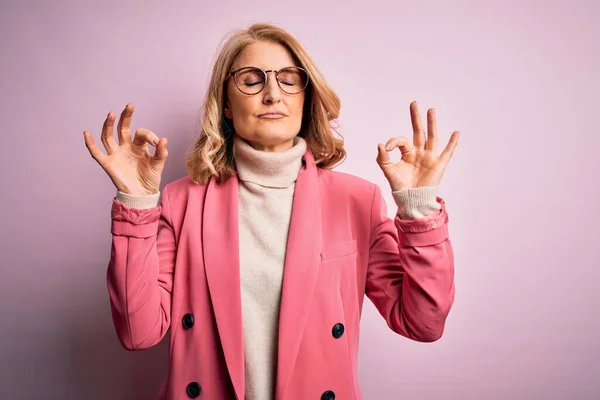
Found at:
(129, 164)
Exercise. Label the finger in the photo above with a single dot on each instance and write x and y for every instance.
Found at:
(107, 133)
(401, 142)
(123, 128)
(382, 155)
(432, 136)
(418, 132)
(450, 147)
(161, 152)
(143, 136)
(92, 148)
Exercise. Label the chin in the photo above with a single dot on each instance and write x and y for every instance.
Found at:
(268, 138)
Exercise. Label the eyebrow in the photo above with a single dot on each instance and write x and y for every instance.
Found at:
(269, 69)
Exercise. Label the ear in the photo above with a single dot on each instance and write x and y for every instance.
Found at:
(227, 108)
(227, 111)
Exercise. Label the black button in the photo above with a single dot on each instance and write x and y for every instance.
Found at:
(194, 390)
(188, 321)
(338, 330)
(328, 395)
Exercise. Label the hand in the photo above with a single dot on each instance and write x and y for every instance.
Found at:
(419, 165)
(129, 164)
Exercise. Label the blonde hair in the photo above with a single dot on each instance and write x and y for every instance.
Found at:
(212, 155)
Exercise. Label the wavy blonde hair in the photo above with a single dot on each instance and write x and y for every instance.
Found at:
(212, 155)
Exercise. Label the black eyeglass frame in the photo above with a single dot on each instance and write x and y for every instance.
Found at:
(276, 72)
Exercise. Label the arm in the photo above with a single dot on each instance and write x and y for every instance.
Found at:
(140, 271)
(410, 276)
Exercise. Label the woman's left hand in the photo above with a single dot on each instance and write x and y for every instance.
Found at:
(419, 165)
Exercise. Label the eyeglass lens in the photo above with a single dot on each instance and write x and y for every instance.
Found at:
(252, 80)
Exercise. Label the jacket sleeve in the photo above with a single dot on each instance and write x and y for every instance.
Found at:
(410, 275)
(140, 272)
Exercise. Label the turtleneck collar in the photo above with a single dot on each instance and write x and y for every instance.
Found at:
(269, 169)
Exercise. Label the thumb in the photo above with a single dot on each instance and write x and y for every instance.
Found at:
(382, 154)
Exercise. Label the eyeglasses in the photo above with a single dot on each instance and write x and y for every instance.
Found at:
(252, 80)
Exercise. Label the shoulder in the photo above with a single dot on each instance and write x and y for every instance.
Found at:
(347, 186)
(346, 180)
(181, 184)
(182, 188)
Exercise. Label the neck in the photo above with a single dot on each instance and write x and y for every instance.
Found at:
(268, 168)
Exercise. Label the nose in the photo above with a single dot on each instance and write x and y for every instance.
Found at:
(272, 93)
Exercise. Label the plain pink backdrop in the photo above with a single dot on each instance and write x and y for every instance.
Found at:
(519, 80)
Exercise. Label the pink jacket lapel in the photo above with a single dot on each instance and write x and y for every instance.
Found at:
(300, 271)
(220, 241)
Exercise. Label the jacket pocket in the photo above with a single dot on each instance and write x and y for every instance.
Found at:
(338, 250)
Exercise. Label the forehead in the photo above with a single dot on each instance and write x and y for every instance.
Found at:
(265, 55)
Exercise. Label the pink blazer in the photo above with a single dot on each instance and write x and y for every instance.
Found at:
(176, 266)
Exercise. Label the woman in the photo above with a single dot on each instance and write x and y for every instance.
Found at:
(258, 261)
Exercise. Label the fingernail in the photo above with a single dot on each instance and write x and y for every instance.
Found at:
(156, 141)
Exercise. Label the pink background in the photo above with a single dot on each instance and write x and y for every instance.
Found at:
(518, 79)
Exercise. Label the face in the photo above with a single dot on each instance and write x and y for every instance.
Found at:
(265, 132)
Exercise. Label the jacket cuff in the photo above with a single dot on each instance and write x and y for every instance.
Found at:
(134, 222)
(426, 231)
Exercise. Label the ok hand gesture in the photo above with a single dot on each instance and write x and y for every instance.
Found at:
(129, 164)
(419, 165)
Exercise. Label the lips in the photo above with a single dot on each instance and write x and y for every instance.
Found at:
(272, 115)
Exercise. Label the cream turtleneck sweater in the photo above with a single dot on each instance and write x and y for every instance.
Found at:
(266, 188)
